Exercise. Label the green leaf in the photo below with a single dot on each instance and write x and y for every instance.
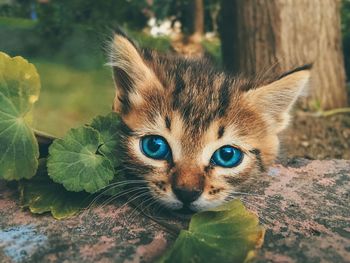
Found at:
(41, 194)
(108, 127)
(75, 162)
(19, 90)
(229, 233)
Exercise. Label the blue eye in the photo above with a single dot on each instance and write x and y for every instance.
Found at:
(227, 156)
(155, 147)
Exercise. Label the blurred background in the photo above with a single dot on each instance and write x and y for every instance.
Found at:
(67, 41)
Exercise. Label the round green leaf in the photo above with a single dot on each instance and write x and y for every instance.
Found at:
(19, 90)
(75, 162)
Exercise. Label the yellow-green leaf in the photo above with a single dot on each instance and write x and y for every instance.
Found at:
(19, 90)
(228, 233)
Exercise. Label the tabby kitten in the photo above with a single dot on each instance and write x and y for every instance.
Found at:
(192, 133)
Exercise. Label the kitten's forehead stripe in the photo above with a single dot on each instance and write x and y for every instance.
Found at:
(221, 132)
(225, 95)
(179, 87)
(196, 94)
(168, 123)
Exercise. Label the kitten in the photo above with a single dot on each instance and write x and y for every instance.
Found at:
(192, 133)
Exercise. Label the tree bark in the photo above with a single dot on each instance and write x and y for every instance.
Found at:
(279, 35)
(198, 21)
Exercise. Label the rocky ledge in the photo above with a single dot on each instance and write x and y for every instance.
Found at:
(304, 206)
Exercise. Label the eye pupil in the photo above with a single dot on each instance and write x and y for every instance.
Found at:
(155, 147)
(154, 144)
(226, 153)
(227, 156)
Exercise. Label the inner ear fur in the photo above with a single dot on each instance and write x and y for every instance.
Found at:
(275, 100)
(131, 74)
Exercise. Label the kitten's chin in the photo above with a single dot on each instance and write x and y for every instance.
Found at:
(184, 213)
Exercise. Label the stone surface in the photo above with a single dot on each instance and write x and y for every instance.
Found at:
(304, 206)
(306, 211)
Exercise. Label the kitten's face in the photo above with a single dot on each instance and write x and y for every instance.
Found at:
(194, 134)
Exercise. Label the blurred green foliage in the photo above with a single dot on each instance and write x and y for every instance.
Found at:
(56, 19)
(15, 8)
(57, 16)
(76, 86)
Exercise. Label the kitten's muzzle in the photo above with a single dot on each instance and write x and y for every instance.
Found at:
(187, 184)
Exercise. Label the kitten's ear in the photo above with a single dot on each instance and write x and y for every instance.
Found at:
(130, 72)
(276, 99)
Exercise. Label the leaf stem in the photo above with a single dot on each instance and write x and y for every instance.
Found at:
(322, 113)
(44, 141)
(335, 111)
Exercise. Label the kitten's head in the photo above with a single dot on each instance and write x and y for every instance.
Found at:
(193, 133)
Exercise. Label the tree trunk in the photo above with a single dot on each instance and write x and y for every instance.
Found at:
(283, 34)
(198, 21)
(192, 19)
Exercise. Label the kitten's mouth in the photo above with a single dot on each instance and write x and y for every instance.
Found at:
(185, 212)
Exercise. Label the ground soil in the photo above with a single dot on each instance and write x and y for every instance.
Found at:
(317, 137)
